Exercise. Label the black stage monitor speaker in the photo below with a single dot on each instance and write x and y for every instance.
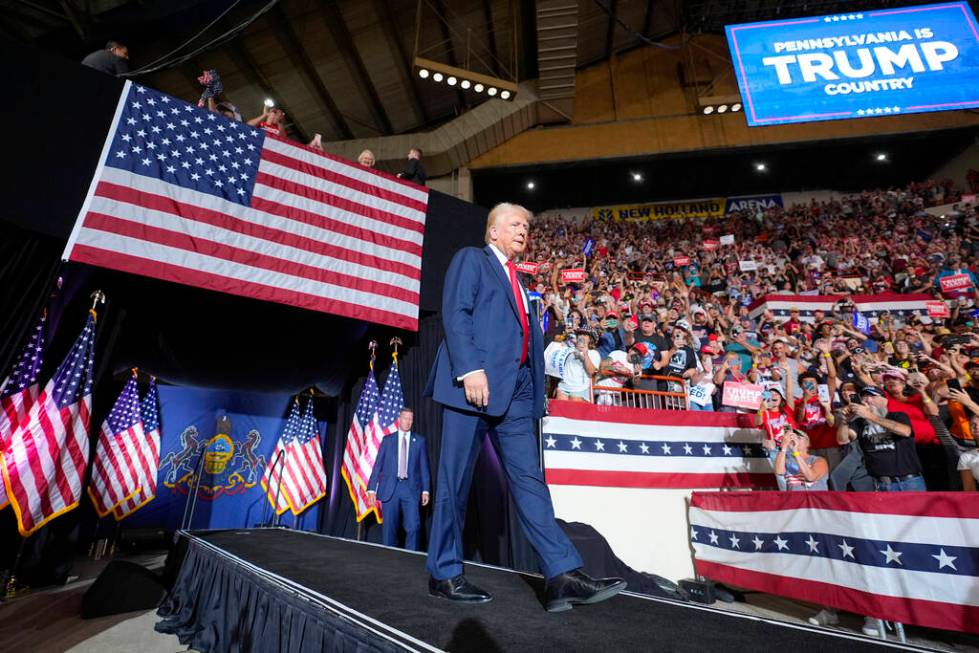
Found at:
(122, 587)
(701, 591)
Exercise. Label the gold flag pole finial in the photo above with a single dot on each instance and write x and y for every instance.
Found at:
(372, 346)
(395, 342)
(98, 297)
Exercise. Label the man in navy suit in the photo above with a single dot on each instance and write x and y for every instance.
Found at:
(489, 377)
(400, 479)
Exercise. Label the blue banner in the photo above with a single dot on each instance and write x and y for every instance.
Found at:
(753, 203)
(587, 248)
(235, 432)
(857, 65)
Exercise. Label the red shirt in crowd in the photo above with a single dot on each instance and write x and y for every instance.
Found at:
(924, 432)
(775, 422)
(821, 434)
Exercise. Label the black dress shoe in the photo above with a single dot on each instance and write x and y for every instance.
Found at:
(576, 587)
(458, 589)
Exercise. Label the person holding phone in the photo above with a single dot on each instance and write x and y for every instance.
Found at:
(799, 469)
(612, 337)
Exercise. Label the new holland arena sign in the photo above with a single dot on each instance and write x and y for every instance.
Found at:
(857, 65)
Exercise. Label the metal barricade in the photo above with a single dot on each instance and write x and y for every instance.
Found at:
(630, 398)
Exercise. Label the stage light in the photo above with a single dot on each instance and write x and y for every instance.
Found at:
(708, 110)
(881, 156)
(637, 177)
(761, 167)
(531, 185)
(735, 107)
(722, 108)
(468, 80)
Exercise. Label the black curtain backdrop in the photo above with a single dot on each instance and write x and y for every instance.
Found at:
(189, 336)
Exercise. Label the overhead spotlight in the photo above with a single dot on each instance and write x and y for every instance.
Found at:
(722, 108)
(465, 83)
(478, 88)
(881, 156)
(761, 167)
(708, 110)
(531, 185)
(423, 73)
(438, 77)
(735, 107)
(465, 79)
(491, 91)
(504, 95)
(637, 177)
(452, 81)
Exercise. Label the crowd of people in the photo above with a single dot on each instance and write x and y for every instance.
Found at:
(665, 308)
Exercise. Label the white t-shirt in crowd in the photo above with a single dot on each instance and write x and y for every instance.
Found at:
(576, 379)
(970, 461)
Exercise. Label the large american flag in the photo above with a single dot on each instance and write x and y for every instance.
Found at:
(274, 479)
(604, 446)
(19, 391)
(186, 195)
(149, 408)
(870, 306)
(45, 457)
(120, 466)
(304, 473)
(910, 557)
(360, 430)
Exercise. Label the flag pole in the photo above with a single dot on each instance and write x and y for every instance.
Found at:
(372, 347)
(10, 583)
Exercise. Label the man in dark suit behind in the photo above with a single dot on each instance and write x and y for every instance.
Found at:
(489, 378)
(414, 170)
(400, 479)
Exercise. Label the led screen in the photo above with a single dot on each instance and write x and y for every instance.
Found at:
(858, 65)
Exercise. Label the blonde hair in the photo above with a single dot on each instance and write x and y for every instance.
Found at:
(501, 209)
(361, 156)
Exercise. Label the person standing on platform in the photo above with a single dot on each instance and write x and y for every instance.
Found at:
(112, 60)
(400, 479)
(489, 377)
(414, 170)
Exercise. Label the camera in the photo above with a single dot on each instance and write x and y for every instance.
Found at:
(635, 359)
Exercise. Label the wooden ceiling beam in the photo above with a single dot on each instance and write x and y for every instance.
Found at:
(404, 64)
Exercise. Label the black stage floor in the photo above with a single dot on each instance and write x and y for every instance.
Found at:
(385, 591)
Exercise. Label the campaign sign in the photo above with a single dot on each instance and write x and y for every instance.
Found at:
(748, 265)
(710, 245)
(954, 282)
(742, 395)
(588, 247)
(727, 239)
(556, 356)
(937, 309)
(681, 261)
(753, 203)
(576, 275)
(527, 267)
(857, 64)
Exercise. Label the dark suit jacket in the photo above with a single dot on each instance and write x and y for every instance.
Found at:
(482, 331)
(414, 171)
(384, 476)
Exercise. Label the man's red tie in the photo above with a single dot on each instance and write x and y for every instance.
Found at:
(518, 296)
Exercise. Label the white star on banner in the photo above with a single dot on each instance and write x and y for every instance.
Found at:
(727, 450)
(945, 560)
(667, 450)
(706, 449)
(693, 533)
(713, 537)
(576, 443)
(891, 555)
(644, 447)
(735, 541)
(813, 544)
(758, 542)
(847, 550)
(550, 441)
(623, 447)
(781, 544)
(687, 449)
(599, 445)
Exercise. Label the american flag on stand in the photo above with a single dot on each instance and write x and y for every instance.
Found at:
(45, 457)
(304, 473)
(149, 408)
(185, 195)
(600, 446)
(360, 430)
(385, 421)
(275, 489)
(19, 391)
(910, 557)
(121, 465)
